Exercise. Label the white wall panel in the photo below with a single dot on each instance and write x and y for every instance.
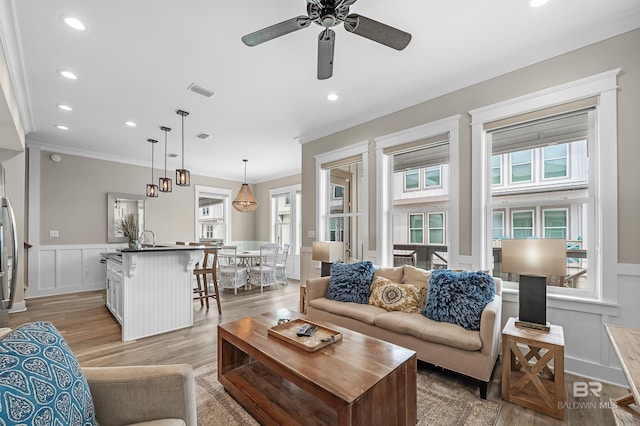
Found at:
(69, 268)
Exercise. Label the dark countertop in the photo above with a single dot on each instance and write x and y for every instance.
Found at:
(164, 247)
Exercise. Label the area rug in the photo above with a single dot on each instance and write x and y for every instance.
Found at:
(440, 402)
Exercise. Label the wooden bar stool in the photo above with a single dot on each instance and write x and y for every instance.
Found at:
(209, 266)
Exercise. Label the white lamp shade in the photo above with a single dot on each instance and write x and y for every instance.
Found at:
(327, 251)
(538, 256)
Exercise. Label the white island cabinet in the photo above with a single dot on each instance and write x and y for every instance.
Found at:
(150, 291)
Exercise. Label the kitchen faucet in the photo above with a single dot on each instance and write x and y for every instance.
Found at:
(152, 234)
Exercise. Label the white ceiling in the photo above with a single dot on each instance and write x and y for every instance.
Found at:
(136, 59)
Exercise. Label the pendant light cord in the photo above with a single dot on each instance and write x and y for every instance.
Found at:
(182, 141)
(165, 153)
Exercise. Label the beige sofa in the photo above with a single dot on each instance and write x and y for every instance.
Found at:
(473, 353)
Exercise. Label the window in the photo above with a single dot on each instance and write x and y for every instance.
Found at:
(496, 169)
(411, 179)
(581, 115)
(344, 219)
(427, 148)
(498, 225)
(436, 228)
(209, 232)
(205, 211)
(338, 192)
(286, 217)
(521, 166)
(432, 176)
(555, 223)
(555, 161)
(522, 224)
(416, 228)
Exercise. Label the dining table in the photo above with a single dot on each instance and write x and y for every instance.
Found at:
(248, 257)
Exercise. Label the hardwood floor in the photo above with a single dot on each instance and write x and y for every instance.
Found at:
(94, 336)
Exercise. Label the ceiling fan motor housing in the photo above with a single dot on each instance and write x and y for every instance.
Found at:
(328, 15)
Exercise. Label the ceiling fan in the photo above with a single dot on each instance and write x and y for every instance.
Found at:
(327, 14)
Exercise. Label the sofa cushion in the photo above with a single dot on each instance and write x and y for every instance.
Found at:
(458, 297)
(163, 422)
(360, 312)
(431, 331)
(397, 297)
(41, 379)
(390, 273)
(413, 275)
(350, 282)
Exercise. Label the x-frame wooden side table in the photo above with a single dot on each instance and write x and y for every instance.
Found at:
(534, 385)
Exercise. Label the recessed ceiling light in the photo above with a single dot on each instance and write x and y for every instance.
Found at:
(130, 123)
(64, 107)
(536, 3)
(74, 23)
(333, 96)
(61, 127)
(68, 74)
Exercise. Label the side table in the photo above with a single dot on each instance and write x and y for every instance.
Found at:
(536, 385)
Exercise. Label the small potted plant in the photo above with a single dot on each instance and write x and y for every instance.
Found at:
(129, 228)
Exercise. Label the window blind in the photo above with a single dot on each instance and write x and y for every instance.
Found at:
(431, 151)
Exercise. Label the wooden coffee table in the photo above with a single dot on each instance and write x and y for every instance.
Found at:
(358, 380)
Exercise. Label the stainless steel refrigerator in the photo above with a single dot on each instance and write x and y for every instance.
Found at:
(8, 254)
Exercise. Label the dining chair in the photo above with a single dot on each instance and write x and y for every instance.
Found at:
(208, 266)
(281, 265)
(231, 273)
(264, 273)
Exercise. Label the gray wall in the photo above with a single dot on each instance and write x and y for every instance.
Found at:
(74, 201)
(621, 51)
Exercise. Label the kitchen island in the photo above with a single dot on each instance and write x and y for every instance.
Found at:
(150, 290)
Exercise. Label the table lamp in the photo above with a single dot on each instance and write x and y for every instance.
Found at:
(327, 252)
(534, 260)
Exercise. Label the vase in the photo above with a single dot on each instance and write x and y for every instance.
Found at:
(134, 245)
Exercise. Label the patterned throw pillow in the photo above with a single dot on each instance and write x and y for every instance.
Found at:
(458, 297)
(392, 296)
(350, 282)
(41, 381)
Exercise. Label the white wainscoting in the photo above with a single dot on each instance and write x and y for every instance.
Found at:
(67, 269)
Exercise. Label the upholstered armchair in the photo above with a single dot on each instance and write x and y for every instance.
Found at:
(154, 395)
(130, 395)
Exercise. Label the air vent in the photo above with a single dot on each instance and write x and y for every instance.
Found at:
(172, 155)
(201, 90)
(203, 136)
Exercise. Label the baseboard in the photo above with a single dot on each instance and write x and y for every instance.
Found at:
(18, 307)
(594, 371)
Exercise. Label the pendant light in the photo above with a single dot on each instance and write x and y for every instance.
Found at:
(152, 189)
(165, 182)
(183, 177)
(245, 202)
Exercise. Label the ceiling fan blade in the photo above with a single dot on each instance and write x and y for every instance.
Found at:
(277, 30)
(377, 31)
(326, 41)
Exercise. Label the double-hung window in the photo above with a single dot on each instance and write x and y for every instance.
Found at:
(285, 217)
(558, 145)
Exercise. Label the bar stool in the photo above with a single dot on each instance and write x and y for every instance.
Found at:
(208, 267)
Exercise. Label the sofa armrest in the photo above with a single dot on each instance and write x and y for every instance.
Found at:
(125, 395)
(490, 323)
(317, 287)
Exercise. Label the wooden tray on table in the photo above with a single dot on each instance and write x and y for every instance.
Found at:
(323, 336)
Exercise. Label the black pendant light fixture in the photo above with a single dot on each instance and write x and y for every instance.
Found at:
(165, 182)
(245, 202)
(152, 189)
(183, 177)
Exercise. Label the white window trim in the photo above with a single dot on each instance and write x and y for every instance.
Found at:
(543, 227)
(290, 190)
(567, 171)
(322, 188)
(444, 228)
(404, 180)
(603, 85)
(384, 182)
(531, 169)
(512, 230)
(424, 176)
(219, 192)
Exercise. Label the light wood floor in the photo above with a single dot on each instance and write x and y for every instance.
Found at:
(94, 336)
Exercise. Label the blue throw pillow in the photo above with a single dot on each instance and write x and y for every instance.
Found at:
(351, 282)
(41, 381)
(458, 297)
